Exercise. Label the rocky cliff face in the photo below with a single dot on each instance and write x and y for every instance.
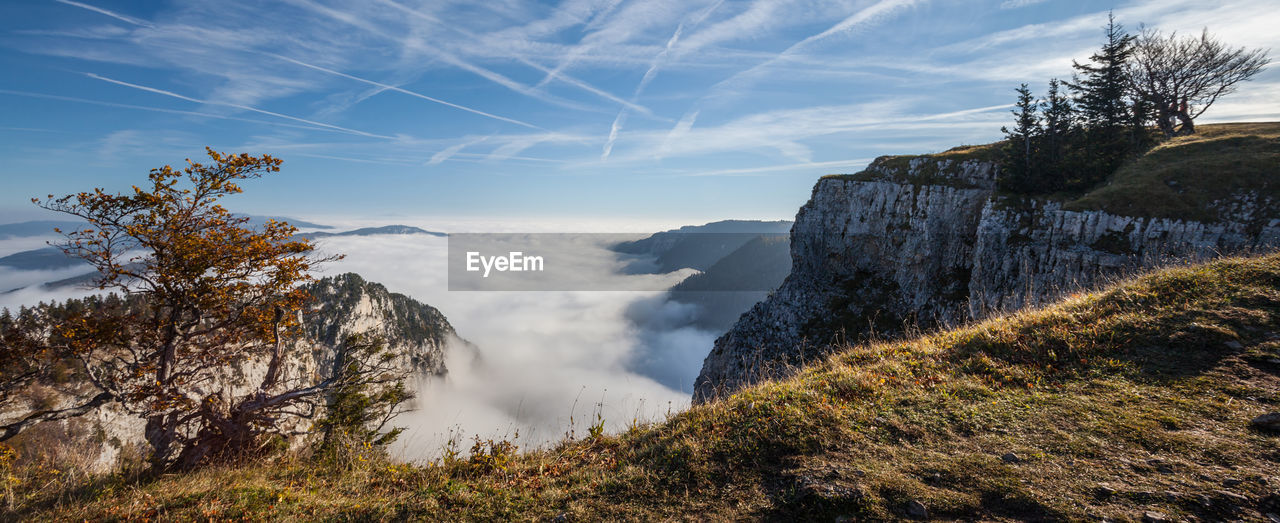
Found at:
(347, 305)
(925, 241)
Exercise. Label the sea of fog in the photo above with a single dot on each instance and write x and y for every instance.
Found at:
(551, 363)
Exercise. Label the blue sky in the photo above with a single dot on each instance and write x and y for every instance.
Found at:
(685, 110)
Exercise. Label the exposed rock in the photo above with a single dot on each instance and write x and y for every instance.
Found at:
(1152, 516)
(928, 242)
(1268, 422)
(917, 509)
(826, 491)
(347, 304)
(1010, 458)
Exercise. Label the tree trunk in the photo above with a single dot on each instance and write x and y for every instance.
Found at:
(159, 433)
(1165, 122)
(1188, 126)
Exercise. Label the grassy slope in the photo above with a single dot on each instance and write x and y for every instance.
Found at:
(1180, 177)
(1146, 389)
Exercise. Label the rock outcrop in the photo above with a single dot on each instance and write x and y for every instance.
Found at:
(347, 304)
(927, 241)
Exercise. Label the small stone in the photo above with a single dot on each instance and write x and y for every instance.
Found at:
(1152, 516)
(1273, 361)
(1235, 345)
(1272, 517)
(1231, 497)
(917, 509)
(1010, 458)
(1231, 482)
(1104, 492)
(1268, 422)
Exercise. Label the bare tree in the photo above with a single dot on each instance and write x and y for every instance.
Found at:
(1181, 77)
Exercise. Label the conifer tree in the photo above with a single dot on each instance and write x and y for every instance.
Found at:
(1020, 167)
(1101, 88)
(1060, 130)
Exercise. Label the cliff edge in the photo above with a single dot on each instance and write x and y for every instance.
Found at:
(923, 241)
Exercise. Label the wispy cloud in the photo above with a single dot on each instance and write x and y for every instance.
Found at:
(404, 91)
(877, 12)
(1014, 4)
(164, 110)
(112, 14)
(235, 106)
(531, 91)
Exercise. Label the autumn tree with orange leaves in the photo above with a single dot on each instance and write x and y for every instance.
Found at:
(206, 295)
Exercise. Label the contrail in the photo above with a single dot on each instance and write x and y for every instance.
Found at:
(102, 11)
(403, 91)
(237, 106)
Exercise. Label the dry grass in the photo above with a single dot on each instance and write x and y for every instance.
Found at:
(1133, 399)
(1182, 178)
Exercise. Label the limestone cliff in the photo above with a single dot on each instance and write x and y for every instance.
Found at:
(925, 241)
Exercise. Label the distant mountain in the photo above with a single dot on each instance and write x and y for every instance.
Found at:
(699, 246)
(741, 262)
(46, 227)
(370, 231)
(36, 228)
(736, 282)
(41, 259)
(259, 220)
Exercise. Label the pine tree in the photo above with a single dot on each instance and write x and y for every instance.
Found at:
(1020, 165)
(1100, 88)
(1060, 131)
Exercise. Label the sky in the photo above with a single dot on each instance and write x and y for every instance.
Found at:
(679, 111)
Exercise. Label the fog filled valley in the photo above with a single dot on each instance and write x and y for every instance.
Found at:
(541, 366)
(545, 356)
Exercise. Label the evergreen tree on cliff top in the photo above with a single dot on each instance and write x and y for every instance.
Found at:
(1021, 169)
(1101, 89)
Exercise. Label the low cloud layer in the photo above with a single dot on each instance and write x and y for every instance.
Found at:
(550, 360)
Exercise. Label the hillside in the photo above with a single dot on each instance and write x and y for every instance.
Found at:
(1127, 403)
(1184, 177)
(736, 282)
